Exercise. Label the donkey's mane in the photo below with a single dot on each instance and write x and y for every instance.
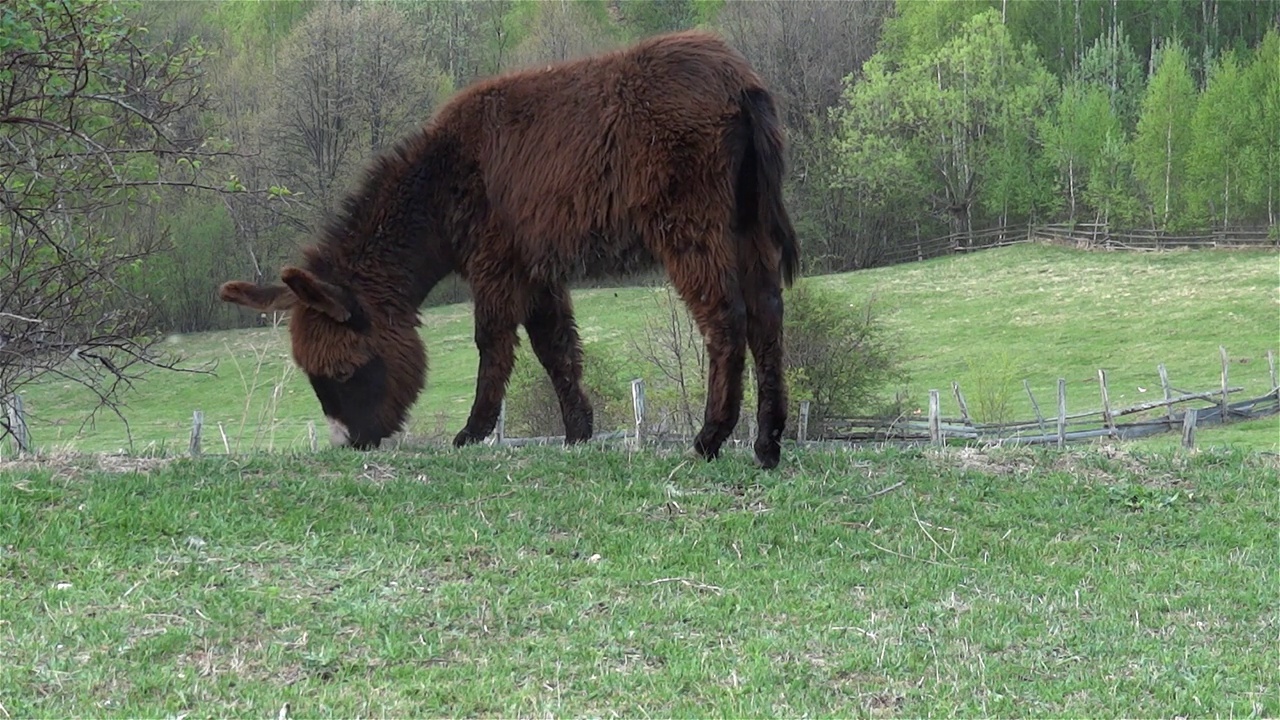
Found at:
(347, 229)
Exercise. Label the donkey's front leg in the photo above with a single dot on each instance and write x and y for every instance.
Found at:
(496, 341)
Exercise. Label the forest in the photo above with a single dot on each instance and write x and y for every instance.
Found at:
(150, 150)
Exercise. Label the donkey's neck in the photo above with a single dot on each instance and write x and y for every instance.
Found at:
(393, 239)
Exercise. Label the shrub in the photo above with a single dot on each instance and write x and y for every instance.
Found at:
(840, 356)
(990, 387)
(533, 410)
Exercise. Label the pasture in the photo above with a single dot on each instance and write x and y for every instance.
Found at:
(1101, 580)
(1035, 312)
(595, 582)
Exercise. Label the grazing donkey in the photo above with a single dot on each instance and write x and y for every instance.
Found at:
(668, 151)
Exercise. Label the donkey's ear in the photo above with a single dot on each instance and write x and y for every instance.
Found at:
(317, 294)
(266, 298)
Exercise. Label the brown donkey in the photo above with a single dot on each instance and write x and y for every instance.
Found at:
(668, 151)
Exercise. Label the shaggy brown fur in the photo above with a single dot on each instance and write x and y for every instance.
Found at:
(667, 151)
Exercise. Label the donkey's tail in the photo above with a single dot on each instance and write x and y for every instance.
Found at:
(763, 172)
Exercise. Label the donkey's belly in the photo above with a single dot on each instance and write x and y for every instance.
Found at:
(598, 255)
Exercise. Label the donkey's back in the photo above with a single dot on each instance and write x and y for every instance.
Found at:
(581, 161)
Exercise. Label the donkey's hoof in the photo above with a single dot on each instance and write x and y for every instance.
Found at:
(465, 438)
(767, 462)
(705, 450)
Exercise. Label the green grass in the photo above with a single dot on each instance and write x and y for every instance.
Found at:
(598, 582)
(1034, 312)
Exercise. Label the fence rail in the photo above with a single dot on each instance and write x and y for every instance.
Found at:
(936, 428)
(1100, 421)
(1088, 235)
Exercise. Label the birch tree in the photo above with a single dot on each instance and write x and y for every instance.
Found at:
(1162, 141)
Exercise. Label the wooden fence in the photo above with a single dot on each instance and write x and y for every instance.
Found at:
(1101, 421)
(1172, 412)
(1088, 235)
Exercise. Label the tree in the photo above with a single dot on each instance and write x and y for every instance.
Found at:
(648, 17)
(1112, 65)
(1264, 88)
(1074, 135)
(351, 80)
(1221, 163)
(1162, 141)
(956, 122)
(804, 49)
(93, 122)
(1111, 188)
(556, 31)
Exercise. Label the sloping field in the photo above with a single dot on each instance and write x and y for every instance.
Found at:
(1033, 312)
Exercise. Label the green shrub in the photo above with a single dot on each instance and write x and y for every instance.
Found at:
(840, 356)
(990, 387)
(533, 410)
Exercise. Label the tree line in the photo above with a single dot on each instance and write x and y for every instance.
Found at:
(148, 150)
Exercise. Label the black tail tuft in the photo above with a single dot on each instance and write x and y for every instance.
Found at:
(769, 166)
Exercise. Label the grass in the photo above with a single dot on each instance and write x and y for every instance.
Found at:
(1044, 312)
(1096, 582)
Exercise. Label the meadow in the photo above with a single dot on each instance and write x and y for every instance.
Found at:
(990, 319)
(596, 582)
(1101, 580)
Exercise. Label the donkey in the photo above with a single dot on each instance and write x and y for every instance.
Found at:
(669, 151)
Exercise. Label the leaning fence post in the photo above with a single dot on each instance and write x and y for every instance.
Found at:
(1034, 405)
(1107, 418)
(1062, 412)
(964, 406)
(637, 404)
(802, 431)
(1168, 392)
(935, 420)
(197, 424)
(1189, 429)
(1225, 365)
(1271, 365)
(18, 425)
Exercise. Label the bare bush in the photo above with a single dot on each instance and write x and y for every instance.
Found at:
(93, 122)
(673, 348)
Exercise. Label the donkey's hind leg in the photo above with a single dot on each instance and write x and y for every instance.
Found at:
(763, 294)
(499, 308)
(554, 337)
(715, 300)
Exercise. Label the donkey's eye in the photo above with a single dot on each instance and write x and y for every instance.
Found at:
(344, 374)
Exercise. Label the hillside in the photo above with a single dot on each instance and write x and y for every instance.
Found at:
(1033, 312)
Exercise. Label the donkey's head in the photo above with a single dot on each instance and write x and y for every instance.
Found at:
(365, 365)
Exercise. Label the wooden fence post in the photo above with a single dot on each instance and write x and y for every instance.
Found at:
(1034, 405)
(18, 424)
(1062, 412)
(312, 441)
(500, 430)
(1107, 418)
(964, 406)
(935, 419)
(1168, 393)
(197, 425)
(802, 429)
(637, 405)
(1225, 365)
(1271, 365)
(1189, 429)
